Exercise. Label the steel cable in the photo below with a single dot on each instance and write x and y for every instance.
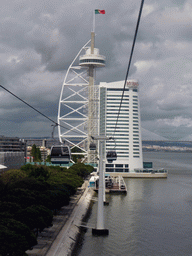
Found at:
(126, 77)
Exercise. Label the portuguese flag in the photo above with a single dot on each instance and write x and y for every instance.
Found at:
(97, 11)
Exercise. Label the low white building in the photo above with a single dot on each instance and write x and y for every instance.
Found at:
(127, 136)
(12, 152)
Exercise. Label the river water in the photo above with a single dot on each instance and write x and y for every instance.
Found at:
(153, 219)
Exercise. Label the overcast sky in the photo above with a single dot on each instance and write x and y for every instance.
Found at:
(40, 38)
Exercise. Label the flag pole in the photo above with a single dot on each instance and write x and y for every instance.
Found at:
(93, 21)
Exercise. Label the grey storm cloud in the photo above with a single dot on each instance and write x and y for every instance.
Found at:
(39, 40)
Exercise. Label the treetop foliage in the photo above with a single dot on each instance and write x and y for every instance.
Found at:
(36, 153)
(12, 176)
(28, 199)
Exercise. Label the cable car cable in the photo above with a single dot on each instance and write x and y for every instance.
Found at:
(126, 77)
(56, 124)
(28, 104)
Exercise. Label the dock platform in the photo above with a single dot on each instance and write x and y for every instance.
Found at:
(143, 173)
(113, 184)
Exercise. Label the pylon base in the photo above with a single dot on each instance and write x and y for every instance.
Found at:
(100, 232)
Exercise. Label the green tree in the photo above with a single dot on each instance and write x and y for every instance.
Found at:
(11, 176)
(40, 173)
(36, 153)
(15, 237)
(23, 197)
(31, 184)
(62, 176)
(48, 159)
(28, 198)
(9, 208)
(35, 217)
(82, 170)
(58, 198)
(77, 157)
(46, 214)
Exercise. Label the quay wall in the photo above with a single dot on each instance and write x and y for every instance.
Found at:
(67, 239)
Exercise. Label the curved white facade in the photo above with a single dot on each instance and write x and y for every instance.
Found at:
(127, 137)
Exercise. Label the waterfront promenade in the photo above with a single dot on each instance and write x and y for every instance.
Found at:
(61, 237)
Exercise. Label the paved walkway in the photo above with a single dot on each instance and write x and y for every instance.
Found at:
(61, 236)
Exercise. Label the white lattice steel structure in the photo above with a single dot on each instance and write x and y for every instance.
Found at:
(79, 99)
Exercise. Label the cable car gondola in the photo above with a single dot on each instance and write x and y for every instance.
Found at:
(60, 154)
(92, 146)
(111, 156)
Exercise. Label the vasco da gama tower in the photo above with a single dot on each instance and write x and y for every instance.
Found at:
(127, 135)
(87, 109)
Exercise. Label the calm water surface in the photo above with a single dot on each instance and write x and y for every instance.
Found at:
(153, 219)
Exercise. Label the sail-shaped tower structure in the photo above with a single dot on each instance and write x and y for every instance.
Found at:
(78, 104)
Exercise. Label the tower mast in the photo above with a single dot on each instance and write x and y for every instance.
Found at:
(92, 108)
(92, 59)
(78, 104)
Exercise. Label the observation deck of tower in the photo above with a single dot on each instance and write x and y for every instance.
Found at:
(78, 104)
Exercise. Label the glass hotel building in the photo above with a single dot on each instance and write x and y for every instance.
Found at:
(127, 137)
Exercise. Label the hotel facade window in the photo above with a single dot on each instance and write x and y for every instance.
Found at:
(127, 137)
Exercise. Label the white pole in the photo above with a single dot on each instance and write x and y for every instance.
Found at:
(93, 21)
(104, 198)
(100, 218)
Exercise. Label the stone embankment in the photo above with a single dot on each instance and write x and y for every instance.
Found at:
(60, 239)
